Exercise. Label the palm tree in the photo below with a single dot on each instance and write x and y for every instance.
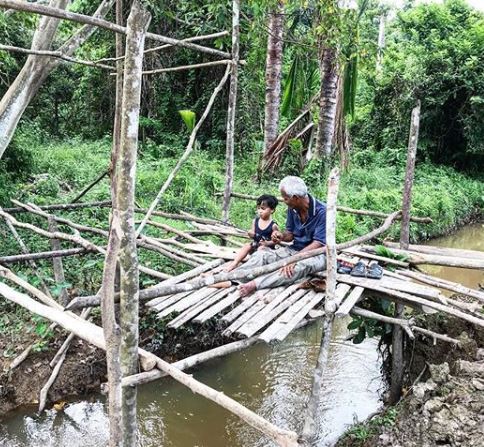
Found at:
(273, 73)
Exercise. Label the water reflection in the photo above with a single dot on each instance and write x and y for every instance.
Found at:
(470, 237)
(274, 381)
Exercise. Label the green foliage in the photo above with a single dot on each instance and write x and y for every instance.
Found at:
(360, 434)
(188, 118)
(433, 53)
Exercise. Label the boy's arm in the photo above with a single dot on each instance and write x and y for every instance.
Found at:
(270, 243)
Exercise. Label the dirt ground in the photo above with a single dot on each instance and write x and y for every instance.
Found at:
(85, 368)
(446, 406)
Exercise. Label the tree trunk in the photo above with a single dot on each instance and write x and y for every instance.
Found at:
(137, 25)
(273, 74)
(381, 43)
(37, 68)
(229, 170)
(328, 99)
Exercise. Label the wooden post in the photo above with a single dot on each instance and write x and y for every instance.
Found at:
(398, 365)
(137, 25)
(229, 170)
(409, 174)
(309, 431)
(111, 328)
(57, 263)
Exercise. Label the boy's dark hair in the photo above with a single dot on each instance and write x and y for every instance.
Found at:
(268, 200)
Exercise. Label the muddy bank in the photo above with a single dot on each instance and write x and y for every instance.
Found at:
(84, 368)
(444, 395)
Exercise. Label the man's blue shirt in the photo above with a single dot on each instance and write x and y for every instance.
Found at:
(314, 229)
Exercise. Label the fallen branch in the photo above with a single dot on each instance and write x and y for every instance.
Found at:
(372, 234)
(187, 67)
(89, 187)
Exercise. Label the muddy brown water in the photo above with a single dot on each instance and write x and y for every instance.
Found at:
(272, 380)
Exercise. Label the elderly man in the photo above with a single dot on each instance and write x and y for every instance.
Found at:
(305, 228)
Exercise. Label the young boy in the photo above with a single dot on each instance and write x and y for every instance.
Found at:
(260, 232)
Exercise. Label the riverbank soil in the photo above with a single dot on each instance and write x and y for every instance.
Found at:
(84, 368)
(446, 406)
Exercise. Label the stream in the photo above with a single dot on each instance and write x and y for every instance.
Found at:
(272, 380)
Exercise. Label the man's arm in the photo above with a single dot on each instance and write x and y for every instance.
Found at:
(312, 246)
(278, 236)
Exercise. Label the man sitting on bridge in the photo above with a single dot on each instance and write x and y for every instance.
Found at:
(305, 228)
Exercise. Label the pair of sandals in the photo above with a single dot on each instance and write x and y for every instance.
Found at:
(373, 271)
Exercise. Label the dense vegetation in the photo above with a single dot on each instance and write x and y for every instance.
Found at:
(433, 53)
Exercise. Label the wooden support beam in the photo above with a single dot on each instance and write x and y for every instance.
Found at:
(56, 54)
(187, 67)
(232, 104)
(35, 8)
(43, 255)
(343, 209)
(62, 206)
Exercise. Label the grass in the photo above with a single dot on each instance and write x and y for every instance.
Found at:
(360, 433)
(60, 170)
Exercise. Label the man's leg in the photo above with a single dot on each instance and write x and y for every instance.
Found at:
(264, 257)
(301, 269)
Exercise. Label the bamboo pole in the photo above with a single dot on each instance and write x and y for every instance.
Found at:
(443, 284)
(62, 206)
(186, 154)
(439, 251)
(309, 431)
(57, 264)
(93, 300)
(229, 152)
(449, 261)
(93, 335)
(56, 54)
(188, 67)
(94, 182)
(42, 255)
(343, 209)
(80, 18)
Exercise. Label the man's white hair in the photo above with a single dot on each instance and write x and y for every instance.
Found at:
(293, 186)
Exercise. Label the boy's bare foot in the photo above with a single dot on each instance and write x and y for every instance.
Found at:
(221, 285)
(247, 289)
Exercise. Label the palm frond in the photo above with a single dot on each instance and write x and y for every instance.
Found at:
(189, 118)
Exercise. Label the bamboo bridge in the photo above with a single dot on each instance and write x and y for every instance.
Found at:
(268, 315)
